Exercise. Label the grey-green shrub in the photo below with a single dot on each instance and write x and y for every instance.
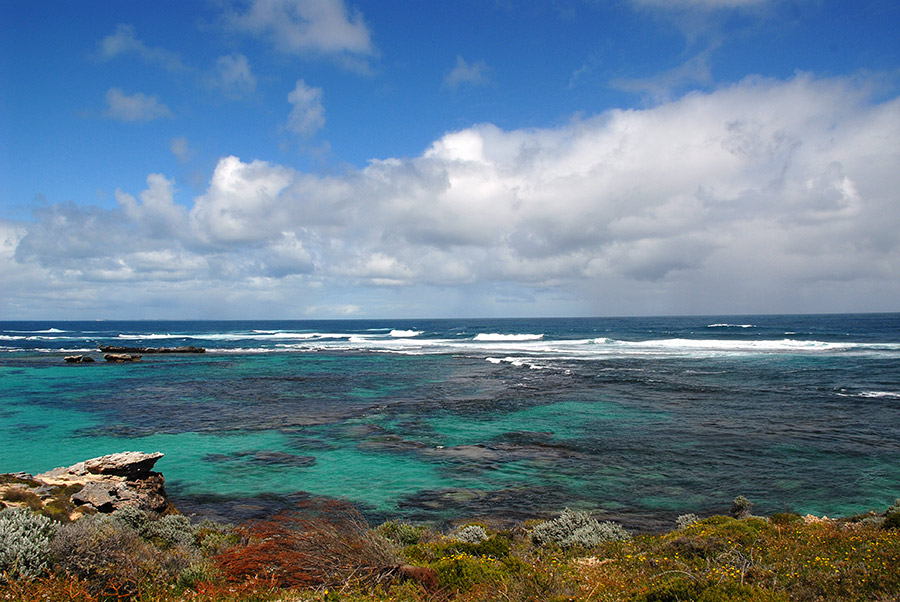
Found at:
(470, 534)
(24, 542)
(741, 507)
(576, 528)
(686, 520)
(171, 531)
(401, 533)
(132, 517)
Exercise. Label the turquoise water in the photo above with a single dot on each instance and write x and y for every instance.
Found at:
(644, 419)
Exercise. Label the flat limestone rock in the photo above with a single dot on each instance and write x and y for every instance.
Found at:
(131, 465)
(112, 482)
(121, 357)
(110, 495)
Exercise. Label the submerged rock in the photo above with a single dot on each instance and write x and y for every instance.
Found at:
(121, 357)
(78, 359)
(118, 349)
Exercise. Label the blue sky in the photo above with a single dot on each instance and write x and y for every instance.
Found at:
(322, 158)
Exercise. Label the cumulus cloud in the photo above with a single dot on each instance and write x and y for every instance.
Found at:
(307, 114)
(765, 195)
(232, 76)
(124, 41)
(465, 73)
(136, 107)
(303, 26)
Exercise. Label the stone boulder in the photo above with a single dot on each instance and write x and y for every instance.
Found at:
(131, 465)
(112, 482)
(121, 357)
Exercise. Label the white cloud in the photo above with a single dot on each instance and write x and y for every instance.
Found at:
(307, 115)
(664, 86)
(124, 41)
(465, 73)
(765, 195)
(137, 107)
(232, 75)
(181, 149)
(303, 26)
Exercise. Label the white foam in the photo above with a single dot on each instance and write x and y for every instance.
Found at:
(880, 394)
(731, 326)
(495, 336)
(405, 333)
(136, 337)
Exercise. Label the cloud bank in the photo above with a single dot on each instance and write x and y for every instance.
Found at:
(764, 195)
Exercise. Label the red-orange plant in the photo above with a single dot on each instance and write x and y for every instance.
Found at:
(322, 543)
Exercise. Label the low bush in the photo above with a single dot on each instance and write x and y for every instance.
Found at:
(470, 534)
(785, 518)
(686, 520)
(321, 544)
(741, 507)
(24, 543)
(573, 528)
(401, 533)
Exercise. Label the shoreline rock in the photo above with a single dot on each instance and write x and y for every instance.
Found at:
(121, 357)
(104, 484)
(119, 349)
(78, 359)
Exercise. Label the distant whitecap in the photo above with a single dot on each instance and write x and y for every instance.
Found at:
(494, 336)
(405, 333)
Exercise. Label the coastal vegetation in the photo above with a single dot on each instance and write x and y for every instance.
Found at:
(325, 550)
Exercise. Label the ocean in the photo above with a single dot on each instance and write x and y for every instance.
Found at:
(637, 419)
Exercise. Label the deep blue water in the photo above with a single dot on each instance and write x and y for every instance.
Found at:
(640, 418)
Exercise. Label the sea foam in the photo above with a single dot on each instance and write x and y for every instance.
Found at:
(494, 336)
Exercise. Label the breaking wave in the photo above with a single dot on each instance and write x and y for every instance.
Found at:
(494, 336)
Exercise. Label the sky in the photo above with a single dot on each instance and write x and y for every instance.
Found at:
(299, 159)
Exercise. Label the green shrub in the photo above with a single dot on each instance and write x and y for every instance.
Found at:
(24, 542)
(169, 531)
(573, 528)
(785, 518)
(891, 521)
(741, 507)
(199, 572)
(461, 572)
(131, 517)
(401, 533)
(19, 495)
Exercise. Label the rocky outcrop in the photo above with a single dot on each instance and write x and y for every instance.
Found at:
(78, 359)
(121, 357)
(111, 482)
(117, 349)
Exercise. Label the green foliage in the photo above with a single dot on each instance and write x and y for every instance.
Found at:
(198, 573)
(461, 572)
(24, 542)
(169, 531)
(681, 589)
(891, 521)
(741, 507)
(131, 517)
(496, 546)
(19, 495)
(785, 518)
(574, 528)
(401, 533)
